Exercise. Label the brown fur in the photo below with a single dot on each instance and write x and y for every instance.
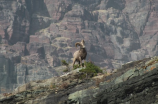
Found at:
(81, 54)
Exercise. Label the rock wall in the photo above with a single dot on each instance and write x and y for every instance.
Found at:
(7, 74)
(36, 35)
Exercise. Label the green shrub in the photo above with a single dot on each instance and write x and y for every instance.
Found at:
(91, 69)
(65, 70)
(77, 66)
(83, 76)
(52, 86)
(65, 64)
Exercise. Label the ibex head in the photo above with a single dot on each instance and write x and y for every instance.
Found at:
(81, 44)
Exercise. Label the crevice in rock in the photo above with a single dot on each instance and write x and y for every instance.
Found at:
(6, 34)
(147, 18)
(117, 4)
(37, 9)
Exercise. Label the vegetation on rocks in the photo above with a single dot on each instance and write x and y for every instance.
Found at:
(91, 69)
(65, 64)
(76, 66)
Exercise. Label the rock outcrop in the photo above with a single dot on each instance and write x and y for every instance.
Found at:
(134, 83)
(36, 34)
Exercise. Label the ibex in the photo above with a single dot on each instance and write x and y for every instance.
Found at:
(80, 54)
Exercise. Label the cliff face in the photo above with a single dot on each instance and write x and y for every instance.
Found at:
(134, 83)
(36, 34)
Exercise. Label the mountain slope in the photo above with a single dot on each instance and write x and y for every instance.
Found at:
(134, 83)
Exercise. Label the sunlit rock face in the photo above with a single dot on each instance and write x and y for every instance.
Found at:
(35, 35)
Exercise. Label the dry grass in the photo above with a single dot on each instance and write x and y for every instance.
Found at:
(108, 80)
(99, 80)
(64, 85)
(7, 94)
(151, 63)
(52, 86)
(92, 87)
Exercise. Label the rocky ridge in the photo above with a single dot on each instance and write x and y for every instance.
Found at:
(134, 83)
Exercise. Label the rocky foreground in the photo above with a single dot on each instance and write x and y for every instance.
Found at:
(134, 83)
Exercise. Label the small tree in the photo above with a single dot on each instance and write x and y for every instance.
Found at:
(91, 69)
(65, 64)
